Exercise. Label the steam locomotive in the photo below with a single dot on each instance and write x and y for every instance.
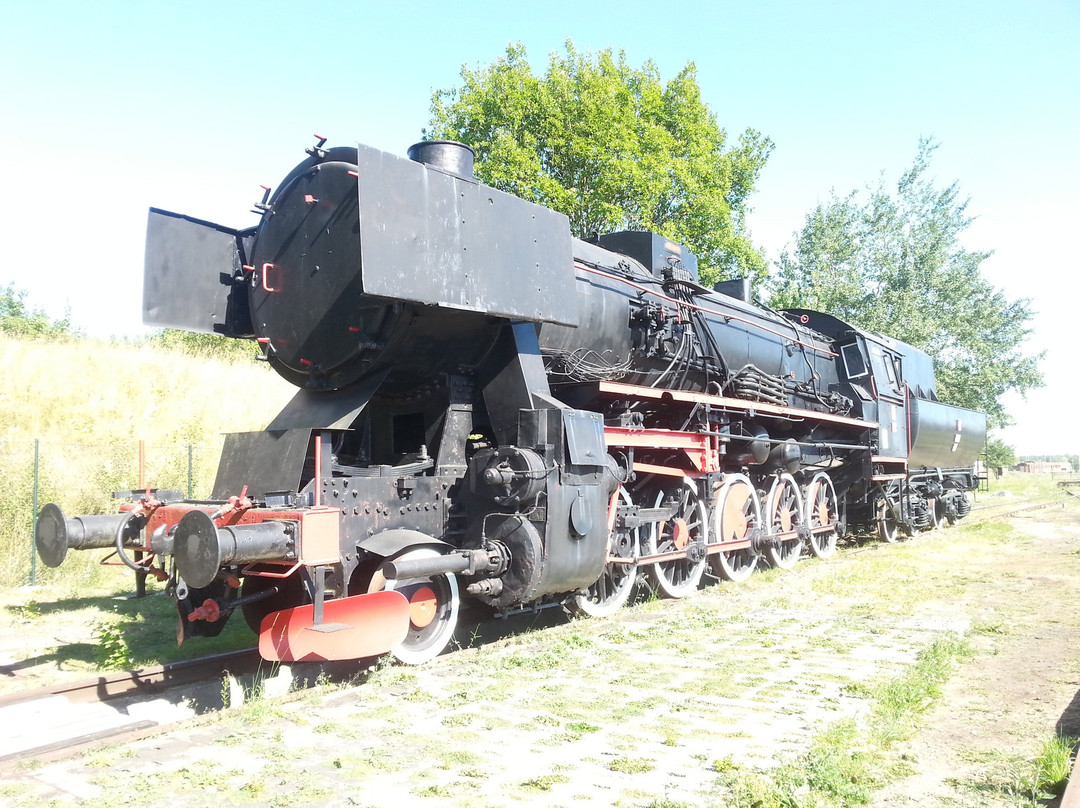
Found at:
(491, 409)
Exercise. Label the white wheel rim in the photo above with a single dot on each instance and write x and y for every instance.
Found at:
(435, 641)
(659, 573)
(734, 565)
(777, 555)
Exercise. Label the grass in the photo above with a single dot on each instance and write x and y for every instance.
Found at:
(628, 765)
(900, 702)
(89, 404)
(849, 761)
(1024, 782)
(1026, 485)
(544, 783)
(71, 634)
(1050, 770)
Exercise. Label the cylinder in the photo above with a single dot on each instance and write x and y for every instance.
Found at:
(56, 534)
(201, 548)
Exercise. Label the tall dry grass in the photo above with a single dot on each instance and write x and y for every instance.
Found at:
(88, 404)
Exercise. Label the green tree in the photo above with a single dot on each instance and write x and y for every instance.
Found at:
(19, 321)
(999, 454)
(892, 263)
(613, 148)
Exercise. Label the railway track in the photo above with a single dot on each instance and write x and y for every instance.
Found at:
(998, 510)
(49, 722)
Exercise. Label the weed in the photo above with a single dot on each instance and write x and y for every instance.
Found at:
(628, 765)
(1026, 783)
(458, 757)
(28, 611)
(581, 727)
(1050, 769)
(846, 763)
(458, 720)
(900, 701)
(545, 660)
(545, 783)
(433, 791)
(254, 791)
(724, 765)
(112, 649)
(301, 792)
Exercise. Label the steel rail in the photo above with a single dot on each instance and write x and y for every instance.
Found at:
(144, 680)
(149, 681)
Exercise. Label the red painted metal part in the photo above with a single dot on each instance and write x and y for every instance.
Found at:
(680, 534)
(423, 605)
(352, 628)
(210, 611)
(265, 285)
(701, 449)
(317, 540)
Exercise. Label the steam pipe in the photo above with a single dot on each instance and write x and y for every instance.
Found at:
(492, 560)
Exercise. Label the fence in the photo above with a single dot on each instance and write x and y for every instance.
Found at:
(82, 478)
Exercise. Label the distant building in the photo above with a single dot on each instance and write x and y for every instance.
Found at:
(1044, 467)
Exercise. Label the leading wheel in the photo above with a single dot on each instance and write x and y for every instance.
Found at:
(822, 515)
(612, 589)
(433, 609)
(686, 531)
(736, 515)
(784, 515)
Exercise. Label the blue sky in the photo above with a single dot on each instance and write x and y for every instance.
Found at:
(108, 108)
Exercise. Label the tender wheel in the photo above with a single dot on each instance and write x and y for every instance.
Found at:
(736, 515)
(937, 513)
(822, 511)
(679, 577)
(888, 529)
(952, 516)
(784, 512)
(433, 609)
(616, 582)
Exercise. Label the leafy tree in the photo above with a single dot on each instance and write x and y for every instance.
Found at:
(613, 148)
(19, 321)
(999, 454)
(893, 264)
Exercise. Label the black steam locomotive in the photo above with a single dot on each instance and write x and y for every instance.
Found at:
(489, 407)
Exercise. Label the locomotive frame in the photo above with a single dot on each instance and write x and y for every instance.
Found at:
(491, 409)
